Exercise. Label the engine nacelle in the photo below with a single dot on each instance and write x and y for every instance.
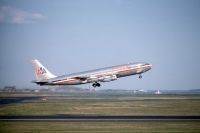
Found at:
(108, 78)
(92, 79)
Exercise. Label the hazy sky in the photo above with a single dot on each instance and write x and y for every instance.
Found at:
(69, 36)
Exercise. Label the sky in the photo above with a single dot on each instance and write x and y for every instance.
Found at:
(70, 36)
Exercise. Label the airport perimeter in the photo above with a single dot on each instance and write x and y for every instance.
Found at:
(142, 113)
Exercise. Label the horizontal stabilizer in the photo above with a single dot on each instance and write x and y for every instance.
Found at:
(40, 82)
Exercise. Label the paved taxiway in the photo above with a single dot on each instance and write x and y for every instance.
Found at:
(78, 118)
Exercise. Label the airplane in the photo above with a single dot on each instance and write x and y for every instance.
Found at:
(45, 77)
(157, 92)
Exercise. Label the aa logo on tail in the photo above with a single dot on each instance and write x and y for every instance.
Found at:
(41, 71)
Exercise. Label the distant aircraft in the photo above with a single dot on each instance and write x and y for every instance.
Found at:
(44, 77)
(157, 92)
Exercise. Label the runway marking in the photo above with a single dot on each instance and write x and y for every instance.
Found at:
(100, 118)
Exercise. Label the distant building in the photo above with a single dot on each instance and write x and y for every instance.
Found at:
(36, 90)
(140, 91)
(9, 89)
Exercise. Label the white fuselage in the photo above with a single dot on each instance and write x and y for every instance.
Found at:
(99, 75)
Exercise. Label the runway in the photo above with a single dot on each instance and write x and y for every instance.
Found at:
(80, 118)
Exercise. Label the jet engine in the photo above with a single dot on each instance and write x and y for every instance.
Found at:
(108, 78)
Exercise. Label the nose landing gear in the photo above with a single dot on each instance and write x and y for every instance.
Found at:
(140, 76)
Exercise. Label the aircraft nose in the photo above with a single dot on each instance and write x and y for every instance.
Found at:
(150, 65)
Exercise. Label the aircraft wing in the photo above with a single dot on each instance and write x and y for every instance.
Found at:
(82, 78)
(93, 78)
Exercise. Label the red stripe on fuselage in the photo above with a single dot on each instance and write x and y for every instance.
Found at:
(113, 71)
(66, 81)
(116, 71)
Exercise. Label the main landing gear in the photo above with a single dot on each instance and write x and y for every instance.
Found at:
(140, 76)
(96, 84)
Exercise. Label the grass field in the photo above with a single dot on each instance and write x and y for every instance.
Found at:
(34, 104)
(93, 104)
(98, 127)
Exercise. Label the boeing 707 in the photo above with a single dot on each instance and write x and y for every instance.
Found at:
(95, 77)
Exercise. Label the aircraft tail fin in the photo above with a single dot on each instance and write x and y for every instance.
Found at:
(41, 72)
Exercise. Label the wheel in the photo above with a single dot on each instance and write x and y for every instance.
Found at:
(94, 85)
(140, 76)
(98, 84)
